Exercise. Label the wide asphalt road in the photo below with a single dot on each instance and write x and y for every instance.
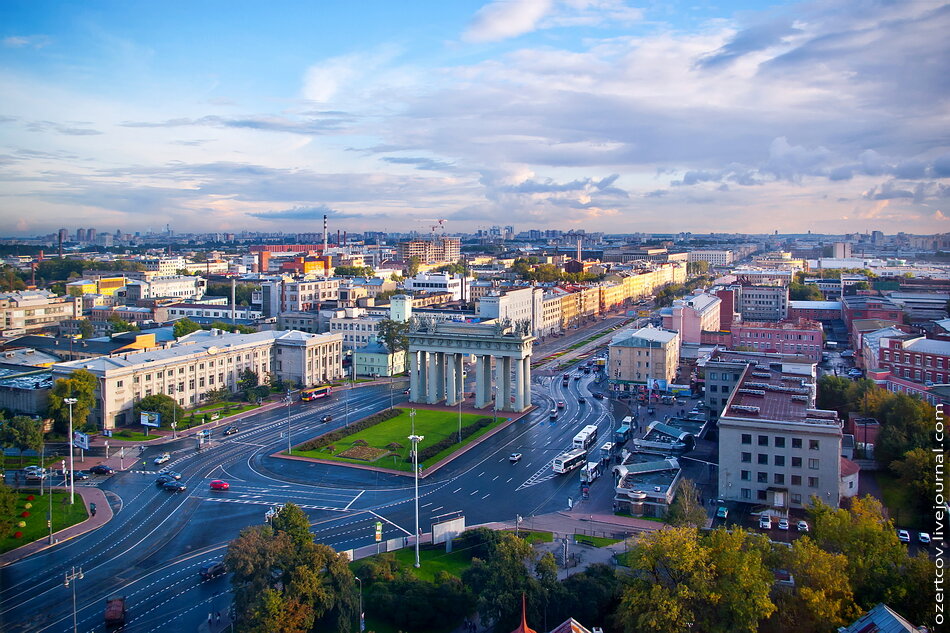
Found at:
(151, 551)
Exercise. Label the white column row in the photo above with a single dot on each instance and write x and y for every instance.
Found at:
(435, 377)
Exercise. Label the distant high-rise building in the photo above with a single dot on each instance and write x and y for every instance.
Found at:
(80, 235)
(877, 237)
(91, 235)
(842, 250)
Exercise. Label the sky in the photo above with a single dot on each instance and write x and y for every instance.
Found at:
(603, 115)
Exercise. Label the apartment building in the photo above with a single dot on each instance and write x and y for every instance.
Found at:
(762, 303)
(201, 362)
(815, 310)
(714, 257)
(164, 266)
(438, 251)
(722, 370)
(692, 316)
(177, 286)
(648, 356)
(296, 295)
(212, 311)
(355, 326)
(775, 447)
(524, 304)
(915, 358)
(800, 337)
(455, 285)
(764, 276)
(28, 311)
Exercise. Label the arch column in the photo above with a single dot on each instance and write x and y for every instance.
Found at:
(451, 388)
(526, 381)
(519, 384)
(482, 381)
(413, 377)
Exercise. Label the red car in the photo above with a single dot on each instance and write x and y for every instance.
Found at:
(217, 484)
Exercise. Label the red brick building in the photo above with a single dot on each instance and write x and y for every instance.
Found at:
(868, 307)
(916, 359)
(802, 337)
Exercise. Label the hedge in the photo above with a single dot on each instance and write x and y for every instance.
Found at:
(334, 436)
(446, 442)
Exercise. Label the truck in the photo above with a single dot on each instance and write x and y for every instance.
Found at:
(115, 612)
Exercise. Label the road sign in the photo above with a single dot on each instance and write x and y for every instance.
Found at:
(80, 440)
(379, 531)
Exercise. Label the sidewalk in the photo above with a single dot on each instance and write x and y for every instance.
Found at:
(88, 495)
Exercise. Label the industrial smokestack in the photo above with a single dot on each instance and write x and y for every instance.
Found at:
(326, 270)
(344, 238)
(338, 237)
(233, 303)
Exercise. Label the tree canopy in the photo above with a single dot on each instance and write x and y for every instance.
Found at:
(183, 327)
(394, 334)
(687, 509)
(163, 404)
(80, 385)
(353, 271)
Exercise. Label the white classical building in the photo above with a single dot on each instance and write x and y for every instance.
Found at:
(438, 282)
(524, 304)
(202, 362)
(180, 286)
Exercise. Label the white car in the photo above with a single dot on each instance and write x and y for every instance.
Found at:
(765, 522)
(802, 526)
(161, 459)
(903, 536)
(514, 458)
(924, 538)
(783, 524)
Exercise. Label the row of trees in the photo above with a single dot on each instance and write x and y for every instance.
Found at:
(185, 326)
(679, 579)
(531, 270)
(906, 435)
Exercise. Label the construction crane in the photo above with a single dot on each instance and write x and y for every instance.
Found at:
(440, 225)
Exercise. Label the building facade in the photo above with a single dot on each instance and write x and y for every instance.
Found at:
(28, 311)
(202, 362)
(692, 316)
(648, 356)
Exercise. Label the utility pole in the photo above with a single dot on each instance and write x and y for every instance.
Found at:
(415, 439)
(72, 490)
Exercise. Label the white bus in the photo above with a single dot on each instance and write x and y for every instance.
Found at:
(570, 460)
(586, 437)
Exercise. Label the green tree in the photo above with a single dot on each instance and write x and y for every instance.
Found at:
(907, 422)
(231, 327)
(412, 266)
(8, 498)
(10, 279)
(80, 385)
(163, 404)
(804, 292)
(217, 395)
(85, 328)
(700, 267)
(353, 271)
(248, 379)
(394, 334)
(183, 327)
(457, 268)
(24, 433)
(283, 581)
(686, 508)
(916, 475)
(119, 325)
(499, 580)
(739, 597)
(821, 599)
(833, 394)
(242, 292)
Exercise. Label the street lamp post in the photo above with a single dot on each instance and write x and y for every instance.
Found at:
(494, 397)
(412, 421)
(415, 439)
(461, 393)
(287, 401)
(72, 489)
(71, 577)
(361, 602)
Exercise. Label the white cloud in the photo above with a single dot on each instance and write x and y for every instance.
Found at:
(22, 41)
(502, 19)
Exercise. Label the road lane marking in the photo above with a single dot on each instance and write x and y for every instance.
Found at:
(473, 492)
(347, 507)
(456, 490)
(486, 496)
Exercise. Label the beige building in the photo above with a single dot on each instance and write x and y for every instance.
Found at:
(202, 362)
(438, 251)
(28, 311)
(648, 357)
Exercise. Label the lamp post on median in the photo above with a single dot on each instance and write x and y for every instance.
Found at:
(461, 394)
(415, 439)
(362, 626)
(287, 401)
(72, 490)
(71, 577)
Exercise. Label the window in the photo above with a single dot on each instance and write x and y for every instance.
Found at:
(779, 460)
(762, 478)
(796, 442)
(813, 445)
(796, 462)
(763, 458)
(813, 464)
(813, 482)
(746, 438)
(118, 383)
(763, 440)
(779, 442)
(762, 495)
(745, 493)
(747, 457)
(745, 475)
(778, 478)
(796, 480)
(797, 498)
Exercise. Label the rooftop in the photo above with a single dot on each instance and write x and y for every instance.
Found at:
(643, 337)
(765, 392)
(815, 305)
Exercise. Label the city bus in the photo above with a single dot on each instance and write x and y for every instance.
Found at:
(314, 393)
(586, 437)
(570, 460)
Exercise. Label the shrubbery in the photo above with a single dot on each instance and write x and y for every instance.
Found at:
(334, 436)
(446, 442)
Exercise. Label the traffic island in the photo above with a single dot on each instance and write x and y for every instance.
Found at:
(380, 442)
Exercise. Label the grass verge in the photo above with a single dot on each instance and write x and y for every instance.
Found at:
(596, 541)
(432, 425)
(535, 536)
(64, 515)
(135, 436)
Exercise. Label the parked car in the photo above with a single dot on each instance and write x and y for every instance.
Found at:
(903, 536)
(722, 512)
(802, 526)
(101, 469)
(765, 522)
(231, 430)
(783, 524)
(174, 486)
(161, 459)
(326, 418)
(213, 570)
(218, 484)
(924, 538)
(33, 469)
(514, 458)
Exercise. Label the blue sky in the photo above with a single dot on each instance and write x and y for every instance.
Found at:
(598, 114)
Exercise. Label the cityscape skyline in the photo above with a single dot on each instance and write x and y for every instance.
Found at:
(594, 114)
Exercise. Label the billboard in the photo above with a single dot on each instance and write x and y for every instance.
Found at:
(80, 440)
(151, 419)
(447, 530)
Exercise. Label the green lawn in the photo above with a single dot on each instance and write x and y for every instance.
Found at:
(596, 541)
(134, 436)
(899, 502)
(16, 462)
(64, 515)
(535, 536)
(432, 560)
(432, 425)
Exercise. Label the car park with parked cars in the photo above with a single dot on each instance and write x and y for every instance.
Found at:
(802, 526)
(765, 522)
(783, 524)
